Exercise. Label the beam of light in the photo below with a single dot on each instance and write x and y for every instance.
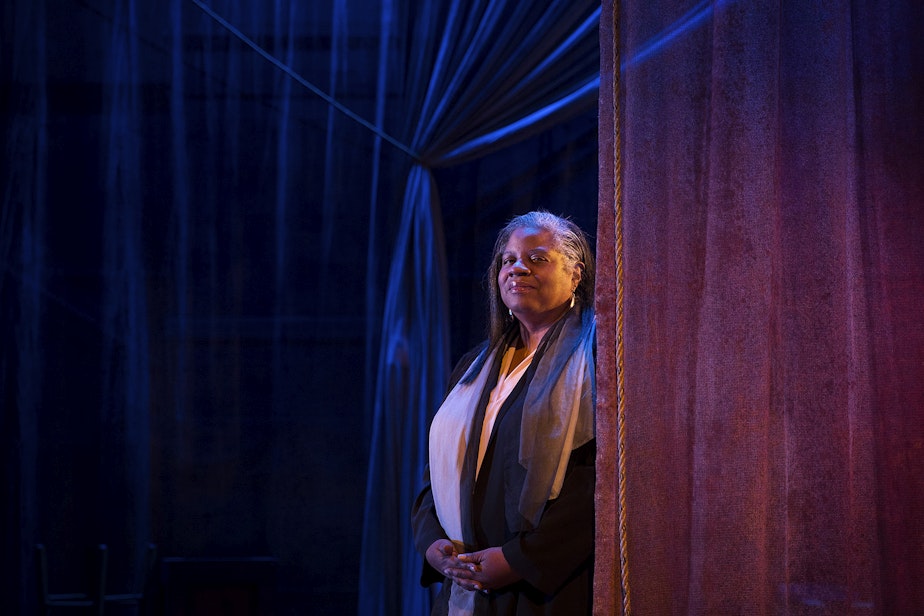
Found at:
(304, 82)
(689, 21)
(511, 129)
(686, 23)
(589, 27)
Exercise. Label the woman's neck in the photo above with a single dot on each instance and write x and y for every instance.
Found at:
(531, 334)
(530, 338)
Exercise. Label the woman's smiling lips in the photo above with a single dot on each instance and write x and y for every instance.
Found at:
(518, 287)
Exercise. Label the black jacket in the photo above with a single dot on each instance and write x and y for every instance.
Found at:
(555, 558)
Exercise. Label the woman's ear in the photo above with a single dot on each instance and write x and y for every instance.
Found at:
(577, 275)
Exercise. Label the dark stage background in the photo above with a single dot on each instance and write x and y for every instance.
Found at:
(196, 257)
(242, 243)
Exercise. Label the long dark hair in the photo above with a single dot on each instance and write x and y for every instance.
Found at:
(569, 239)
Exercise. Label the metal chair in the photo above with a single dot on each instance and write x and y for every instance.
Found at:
(138, 595)
(49, 601)
(95, 601)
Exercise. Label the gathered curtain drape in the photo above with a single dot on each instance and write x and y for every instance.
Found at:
(773, 214)
(482, 75)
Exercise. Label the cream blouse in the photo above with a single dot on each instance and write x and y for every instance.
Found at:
(505, 384)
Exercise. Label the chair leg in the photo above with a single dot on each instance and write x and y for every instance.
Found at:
(100, 582)
(139, 593)
(41, 562)
(146, 578)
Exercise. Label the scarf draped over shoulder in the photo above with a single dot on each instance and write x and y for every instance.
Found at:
(558, 417)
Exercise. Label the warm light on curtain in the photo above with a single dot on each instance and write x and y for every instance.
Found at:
(774, 210)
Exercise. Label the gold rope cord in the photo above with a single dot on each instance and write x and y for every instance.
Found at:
(620, 350)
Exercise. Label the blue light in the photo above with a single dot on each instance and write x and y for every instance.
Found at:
(691, 20)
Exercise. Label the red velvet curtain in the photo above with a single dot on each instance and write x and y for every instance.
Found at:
(772, 202)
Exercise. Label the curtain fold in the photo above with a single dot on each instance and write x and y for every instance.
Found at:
(772, 190)
(125, 357)
(23, 220)
(488, 57)
(413, 368)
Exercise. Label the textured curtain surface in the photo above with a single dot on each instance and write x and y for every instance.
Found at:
(496, 73)
(774, 273)
(217, 222)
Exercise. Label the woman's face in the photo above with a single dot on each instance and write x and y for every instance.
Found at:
(535, 280)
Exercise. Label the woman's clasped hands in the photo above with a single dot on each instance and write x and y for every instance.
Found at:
(483, 571)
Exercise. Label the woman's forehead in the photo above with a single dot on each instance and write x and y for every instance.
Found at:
(531, 238)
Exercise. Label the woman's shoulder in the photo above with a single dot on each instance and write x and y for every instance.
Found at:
(464, 362)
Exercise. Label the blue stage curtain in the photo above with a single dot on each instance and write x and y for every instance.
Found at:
(223, 293)
(23, 218)
(482, 75)
(33, 360)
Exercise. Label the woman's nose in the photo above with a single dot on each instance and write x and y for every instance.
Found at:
(518, 267)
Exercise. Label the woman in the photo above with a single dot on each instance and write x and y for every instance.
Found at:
(506, 518)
